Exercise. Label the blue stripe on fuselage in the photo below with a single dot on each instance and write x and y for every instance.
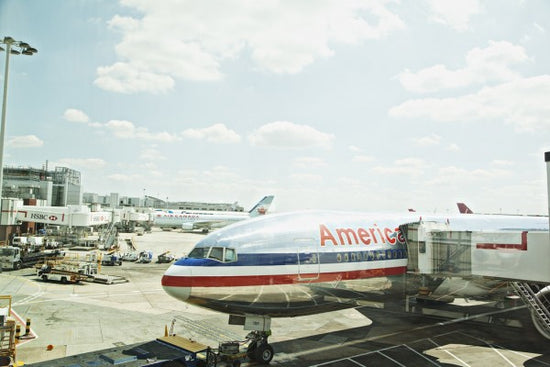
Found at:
(305, 258)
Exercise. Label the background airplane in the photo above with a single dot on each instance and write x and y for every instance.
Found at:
(463, 208)
(206, 220)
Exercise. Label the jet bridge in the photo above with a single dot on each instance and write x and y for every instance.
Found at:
(72, 215)
(435, 250)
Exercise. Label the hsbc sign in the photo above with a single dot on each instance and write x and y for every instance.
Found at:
(44, 217)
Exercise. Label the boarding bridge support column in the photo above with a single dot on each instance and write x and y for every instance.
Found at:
(547, 160)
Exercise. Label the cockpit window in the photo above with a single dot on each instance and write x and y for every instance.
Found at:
(198, 253)
(230, 255)
(222, 254)
(216, 253)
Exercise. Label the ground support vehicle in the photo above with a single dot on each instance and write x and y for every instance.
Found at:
(111, 260)
(129, 256)
(145, 257)
(46, 273)
(14, 258)
(165, 257)
(232, 353)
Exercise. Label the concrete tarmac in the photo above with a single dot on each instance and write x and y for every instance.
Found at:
(79, 318)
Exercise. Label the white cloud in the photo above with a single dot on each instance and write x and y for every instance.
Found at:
(306, 178)
(521, 102)
(355, 149)
(127, 130)
(405, 166)
(503, 163)
(123, 178)
(490, 64)
(151, 155)
(455, 176)
(432, 139)
(127, 78)
(455, 14)
(411, 162)
(74, 115)
(217, 133)
(284, 134)
(82, 163)
(25, 141)
(453, 147)
(363, 158)
(309, 162)
(280, 37)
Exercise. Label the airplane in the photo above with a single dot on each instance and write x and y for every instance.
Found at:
(309, 262)
(206, 220)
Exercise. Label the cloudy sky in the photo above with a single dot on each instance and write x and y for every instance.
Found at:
(360, 105)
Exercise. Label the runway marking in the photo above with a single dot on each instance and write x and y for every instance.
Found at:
(357, 363)
(455, 357)
(420, 354)
(387, 357)
(25, 339)
(496, 348)
(502, 355)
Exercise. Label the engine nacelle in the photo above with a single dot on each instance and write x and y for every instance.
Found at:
(187, 226)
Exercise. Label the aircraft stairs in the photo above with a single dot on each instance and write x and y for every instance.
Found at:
(110, 236)
(537, 297)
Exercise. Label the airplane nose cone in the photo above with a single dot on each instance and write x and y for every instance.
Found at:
(177, 282)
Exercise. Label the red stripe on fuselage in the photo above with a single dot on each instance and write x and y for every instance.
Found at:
(249, 280)
(509, 246)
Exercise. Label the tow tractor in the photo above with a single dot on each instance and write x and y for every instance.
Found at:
(255, 348)
(232, 353)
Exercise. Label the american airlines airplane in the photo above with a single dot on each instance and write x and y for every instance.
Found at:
(302, 263)
(207, 220)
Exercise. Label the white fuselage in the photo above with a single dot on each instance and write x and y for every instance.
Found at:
(300, 263)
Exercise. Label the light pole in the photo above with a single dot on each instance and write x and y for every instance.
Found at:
(13, 47)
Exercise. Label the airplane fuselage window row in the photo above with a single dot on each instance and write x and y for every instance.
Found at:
(228, 255)
(373, 255)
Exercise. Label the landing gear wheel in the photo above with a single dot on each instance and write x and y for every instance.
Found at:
(543, 296)
(264, 353)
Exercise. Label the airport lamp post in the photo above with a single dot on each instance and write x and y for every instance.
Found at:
(12, 47)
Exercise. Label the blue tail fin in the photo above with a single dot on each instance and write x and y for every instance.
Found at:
(262, 207)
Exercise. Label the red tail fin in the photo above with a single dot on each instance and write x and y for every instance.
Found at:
(463, 208)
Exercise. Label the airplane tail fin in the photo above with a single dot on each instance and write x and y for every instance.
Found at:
(262, 207)
(463, 208)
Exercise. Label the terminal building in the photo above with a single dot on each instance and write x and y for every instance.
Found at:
(115, 200)
(60, 187)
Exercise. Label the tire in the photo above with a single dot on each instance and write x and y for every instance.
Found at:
(45, 278)
(64, 280)
(17, 265)
(236, 363)
(264, 353)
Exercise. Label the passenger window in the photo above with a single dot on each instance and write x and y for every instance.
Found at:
(230, 255)
(216, 253)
